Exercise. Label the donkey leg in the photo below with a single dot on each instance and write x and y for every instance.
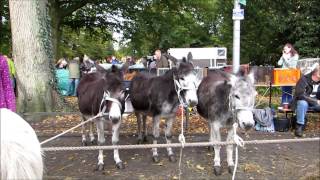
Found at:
(101, 141)
(210, 148)
(145, 134)
(83, 132)
(115, 140)
(138, 116)
(168, 136)
(156, 134)
(229, 150)
(91, 135)
(215, 137)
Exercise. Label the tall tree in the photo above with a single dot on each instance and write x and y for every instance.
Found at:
(5, 34)
(92, 15)
(32, 51)
(164, 24)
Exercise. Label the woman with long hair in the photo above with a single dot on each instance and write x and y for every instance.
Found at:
(289, 59)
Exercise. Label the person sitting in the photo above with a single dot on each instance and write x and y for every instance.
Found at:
(305, 97)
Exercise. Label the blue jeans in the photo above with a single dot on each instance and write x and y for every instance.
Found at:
(286, 94)
(73, 84)
(301, 110)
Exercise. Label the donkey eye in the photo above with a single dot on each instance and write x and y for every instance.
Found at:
(236, 96)
(182, 78)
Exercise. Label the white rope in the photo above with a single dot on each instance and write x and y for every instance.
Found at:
(177, 145)
(182, 140)
(71, 129)
(100, 114)
(239, 142)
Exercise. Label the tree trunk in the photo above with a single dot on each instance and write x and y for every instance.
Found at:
(55, 24)
(32, 51)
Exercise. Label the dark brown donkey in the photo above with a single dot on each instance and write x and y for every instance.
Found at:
(158, 97)
(97, 91)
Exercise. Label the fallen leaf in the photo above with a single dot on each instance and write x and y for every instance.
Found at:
(200, 167)
(175, 177)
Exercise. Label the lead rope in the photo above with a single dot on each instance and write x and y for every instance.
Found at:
(181, 138)
(237, 139)
(239, 142)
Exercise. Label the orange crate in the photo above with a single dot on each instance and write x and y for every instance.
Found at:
(286, 76)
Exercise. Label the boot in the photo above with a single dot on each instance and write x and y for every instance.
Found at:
(299, 130)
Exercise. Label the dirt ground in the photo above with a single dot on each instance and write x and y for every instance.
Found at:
(269, 161)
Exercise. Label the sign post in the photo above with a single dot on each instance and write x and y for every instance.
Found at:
(237, 15)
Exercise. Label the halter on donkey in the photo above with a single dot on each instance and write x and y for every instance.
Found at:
(225, 99)
(160, 96)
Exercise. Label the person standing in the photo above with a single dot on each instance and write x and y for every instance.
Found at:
(7, 97)
(62, 76)
(114, 60)
(12, 71)
(307, 95)
(74, 76)
(289, 59)
(162, 60)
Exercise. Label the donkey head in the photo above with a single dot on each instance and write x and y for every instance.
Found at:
(114, 94)
(242, 98)
(186, 78)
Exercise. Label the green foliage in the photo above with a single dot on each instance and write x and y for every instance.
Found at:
(81, 42)
(268, 25)
(164, 24)
(5, 32)
(148, 25)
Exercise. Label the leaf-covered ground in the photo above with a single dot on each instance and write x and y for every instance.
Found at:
(271, 161)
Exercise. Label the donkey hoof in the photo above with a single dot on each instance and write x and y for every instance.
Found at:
(172, 158)
(100, 167)
(210, 148)
(230, 169)
(120, 165)
(94, 142)
(217, 170)
(84, 143)
(145, 139)
(156, 159)
(139, 141)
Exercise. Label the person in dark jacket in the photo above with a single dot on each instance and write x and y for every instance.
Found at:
(306, 96)
(162, 60)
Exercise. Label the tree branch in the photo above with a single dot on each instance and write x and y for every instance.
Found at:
(69, 10)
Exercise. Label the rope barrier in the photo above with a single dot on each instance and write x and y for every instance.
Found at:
(177, 145)
(71, 129)
(182, 140)
(239, 142)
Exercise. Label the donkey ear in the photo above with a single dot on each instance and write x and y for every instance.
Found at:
(251, 76)
(233, 79)
(189, 57)
(100, 69)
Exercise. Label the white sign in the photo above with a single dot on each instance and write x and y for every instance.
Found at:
(199, 53)
(238, 14)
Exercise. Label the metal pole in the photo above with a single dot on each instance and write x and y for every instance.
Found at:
(236, 41)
